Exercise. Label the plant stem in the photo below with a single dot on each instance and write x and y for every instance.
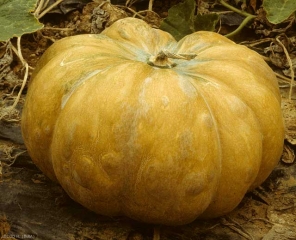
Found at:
(150, 5)
(22, 87)
(156, 233)
(243, 13)
(19, 51)
(241, 26)
(39, 8)
(49, 8)
(26, 65)
(248, 18)
(290, 64)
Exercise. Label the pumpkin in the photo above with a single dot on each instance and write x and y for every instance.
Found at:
(131, 122)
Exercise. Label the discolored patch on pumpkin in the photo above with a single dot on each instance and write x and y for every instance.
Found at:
(83, 168)
(70, 88)
(195, 183)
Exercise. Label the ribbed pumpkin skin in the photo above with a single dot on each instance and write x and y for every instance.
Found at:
(158, 145)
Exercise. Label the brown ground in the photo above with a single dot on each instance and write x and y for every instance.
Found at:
(33, 207)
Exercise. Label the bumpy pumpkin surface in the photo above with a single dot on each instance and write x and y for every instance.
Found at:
(160, 144)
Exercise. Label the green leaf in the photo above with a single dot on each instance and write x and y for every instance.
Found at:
(181, 20)
(278, 10)
(16, 18)
(206, 22)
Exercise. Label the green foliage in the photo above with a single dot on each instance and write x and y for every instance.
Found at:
(205, 22)
(278, 10)
(182, 20)
(16, 18)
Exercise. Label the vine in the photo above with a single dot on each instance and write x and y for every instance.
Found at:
(248, 18)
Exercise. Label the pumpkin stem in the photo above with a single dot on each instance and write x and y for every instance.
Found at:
(162, 60)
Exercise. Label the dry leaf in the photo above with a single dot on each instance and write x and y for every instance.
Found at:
(288, 155)
(289, 113)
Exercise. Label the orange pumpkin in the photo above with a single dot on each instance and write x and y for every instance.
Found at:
(131, 122)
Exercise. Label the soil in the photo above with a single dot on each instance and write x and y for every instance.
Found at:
(33, 207)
